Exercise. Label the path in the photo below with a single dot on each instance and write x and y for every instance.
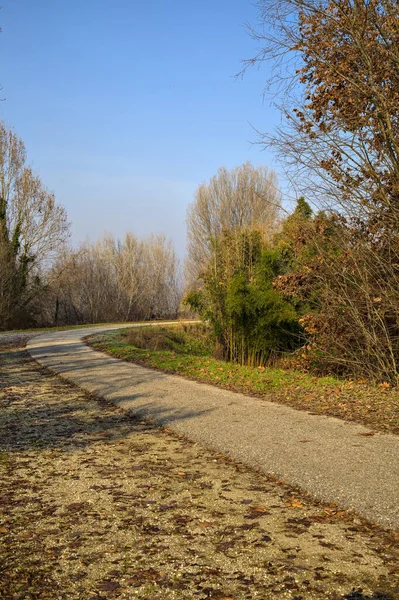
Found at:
(330, 458)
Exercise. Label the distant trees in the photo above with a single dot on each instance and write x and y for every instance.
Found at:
(115, 280)
(44, 282)
(32, 229)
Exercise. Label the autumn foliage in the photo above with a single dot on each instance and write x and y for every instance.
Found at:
(334, 66)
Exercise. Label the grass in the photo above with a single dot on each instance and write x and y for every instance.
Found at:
(186, 350)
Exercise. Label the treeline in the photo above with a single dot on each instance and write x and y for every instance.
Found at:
(44, 282)
(114, 280)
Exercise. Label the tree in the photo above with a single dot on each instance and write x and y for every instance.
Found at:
(32, 228)
(250, 320)
(115, 280)
(245, 197)
(336, 68)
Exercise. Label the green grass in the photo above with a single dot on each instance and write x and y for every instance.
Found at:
(185, 351)
(188, 355)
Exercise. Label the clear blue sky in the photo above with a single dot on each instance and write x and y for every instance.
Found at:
(125, 107)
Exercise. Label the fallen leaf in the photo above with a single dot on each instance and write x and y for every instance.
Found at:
(294, 503)
(260, 509)
(109, 586)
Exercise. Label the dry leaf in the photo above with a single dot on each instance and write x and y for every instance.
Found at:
(260, 509)
(294, 503)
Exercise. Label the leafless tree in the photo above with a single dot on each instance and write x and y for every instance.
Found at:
(116, 280)
(244, 197)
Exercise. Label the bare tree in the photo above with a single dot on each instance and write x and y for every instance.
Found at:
(244, 197)
(116, 280)
(162, 276)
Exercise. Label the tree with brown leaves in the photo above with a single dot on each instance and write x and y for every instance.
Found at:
(336, 67)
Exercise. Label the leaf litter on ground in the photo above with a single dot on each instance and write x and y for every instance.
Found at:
(97, 504)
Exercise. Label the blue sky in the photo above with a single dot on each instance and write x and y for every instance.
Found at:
(125, 107)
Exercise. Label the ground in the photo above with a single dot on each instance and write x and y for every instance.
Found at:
(375, 406)
(96, 504)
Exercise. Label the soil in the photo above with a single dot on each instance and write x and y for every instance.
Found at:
(95, 504)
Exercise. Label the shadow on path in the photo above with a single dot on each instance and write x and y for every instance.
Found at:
(40, 411)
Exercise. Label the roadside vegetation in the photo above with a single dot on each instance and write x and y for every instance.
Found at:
(189, 350)
(45, 282)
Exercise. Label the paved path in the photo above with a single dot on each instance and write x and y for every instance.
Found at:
(325, 456)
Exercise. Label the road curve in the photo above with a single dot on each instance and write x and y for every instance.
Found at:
(328, 457)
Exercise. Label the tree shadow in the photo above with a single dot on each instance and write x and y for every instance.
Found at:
(41, 411)
(358, 595)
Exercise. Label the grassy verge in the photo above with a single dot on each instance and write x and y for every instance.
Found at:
(184, 350)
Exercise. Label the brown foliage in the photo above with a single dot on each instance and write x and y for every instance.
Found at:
(348, 283)
(336, 65)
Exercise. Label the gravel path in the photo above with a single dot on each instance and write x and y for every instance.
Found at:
(335, 461)
(96, 504)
